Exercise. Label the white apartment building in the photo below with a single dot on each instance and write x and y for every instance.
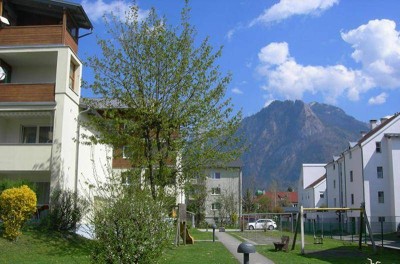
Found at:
(311, 180)
(39, 97)
(368, 172)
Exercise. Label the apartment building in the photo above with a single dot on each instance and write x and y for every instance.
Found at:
(40, 95)
(368, 173)
(223, 183)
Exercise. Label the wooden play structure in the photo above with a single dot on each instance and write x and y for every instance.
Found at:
(181, 227)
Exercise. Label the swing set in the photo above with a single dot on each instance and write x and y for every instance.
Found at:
(319, 239)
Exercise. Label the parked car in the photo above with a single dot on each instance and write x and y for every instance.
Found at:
(262, 224)
(398, 230)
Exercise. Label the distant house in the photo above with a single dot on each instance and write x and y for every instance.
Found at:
(279, 199)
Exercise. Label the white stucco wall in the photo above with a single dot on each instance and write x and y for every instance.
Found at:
(309, 174)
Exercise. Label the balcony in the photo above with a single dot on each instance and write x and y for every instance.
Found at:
(37, 35)
(12, 92)
(25, 157)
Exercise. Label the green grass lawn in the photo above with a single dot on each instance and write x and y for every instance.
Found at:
(35, 246)
(200, 252)
(331, 251)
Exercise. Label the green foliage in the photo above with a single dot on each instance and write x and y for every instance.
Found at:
(17, 206)
(163, 98)
(196, 203)
(248, 202)
(131, 228)
(8, 184)
(66, 211)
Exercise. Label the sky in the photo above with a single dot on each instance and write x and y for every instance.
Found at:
(340, 52)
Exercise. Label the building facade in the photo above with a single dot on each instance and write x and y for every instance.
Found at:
(39, 97)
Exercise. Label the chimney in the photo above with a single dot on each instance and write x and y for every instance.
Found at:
(373, 123)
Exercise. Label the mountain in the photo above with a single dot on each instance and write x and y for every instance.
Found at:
(286, 134)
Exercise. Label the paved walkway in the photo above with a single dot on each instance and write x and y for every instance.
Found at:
(232, 244)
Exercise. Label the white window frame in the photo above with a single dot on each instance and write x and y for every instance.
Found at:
(37, 136)
(381, 197)
(216, 191)
(379, 174)
(378, 147)
(214, 175)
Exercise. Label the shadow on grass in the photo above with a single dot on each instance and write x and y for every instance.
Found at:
(60, 243)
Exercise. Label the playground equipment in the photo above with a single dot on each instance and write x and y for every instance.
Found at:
(319, 239)
(181, 227)
(363, 217)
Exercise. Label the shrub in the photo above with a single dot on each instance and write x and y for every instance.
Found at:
(17, 205)
(131, 228)
(66, 210)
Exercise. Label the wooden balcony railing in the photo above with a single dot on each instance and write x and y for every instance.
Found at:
(36, 35)
(12, 92)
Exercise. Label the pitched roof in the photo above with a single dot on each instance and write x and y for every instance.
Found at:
(315, 183)
(290, 196)
(55, 8)
(377, 128)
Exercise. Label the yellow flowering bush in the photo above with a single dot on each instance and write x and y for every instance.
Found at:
(16, 206)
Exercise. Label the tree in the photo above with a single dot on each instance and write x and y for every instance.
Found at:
(197, 198)
(163, 98)
(228, 207)
(248, 202)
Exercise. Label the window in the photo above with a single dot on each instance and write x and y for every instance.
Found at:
(334, 166)
(321, 195)
(378, 147)
(37, 134)
(381, 197)
(334, 184)
(381, 219)
(72, 76)
(216, 191)
(352, 198)
(334, 202)
(216, 175)
(351, 176)
(126, 154)
(379, 172)
(215, 206)
(350, 154)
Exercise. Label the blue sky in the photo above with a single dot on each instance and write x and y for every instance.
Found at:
(340, 52)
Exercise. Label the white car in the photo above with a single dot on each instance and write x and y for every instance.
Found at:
(262, 224)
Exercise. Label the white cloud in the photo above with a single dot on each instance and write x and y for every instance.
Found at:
(269, 98)
(379, 99)
(291, 80)
(287, 8)
(230, 33)
(274, 53)
(98, 8)
(237, 91)
(377, 48)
